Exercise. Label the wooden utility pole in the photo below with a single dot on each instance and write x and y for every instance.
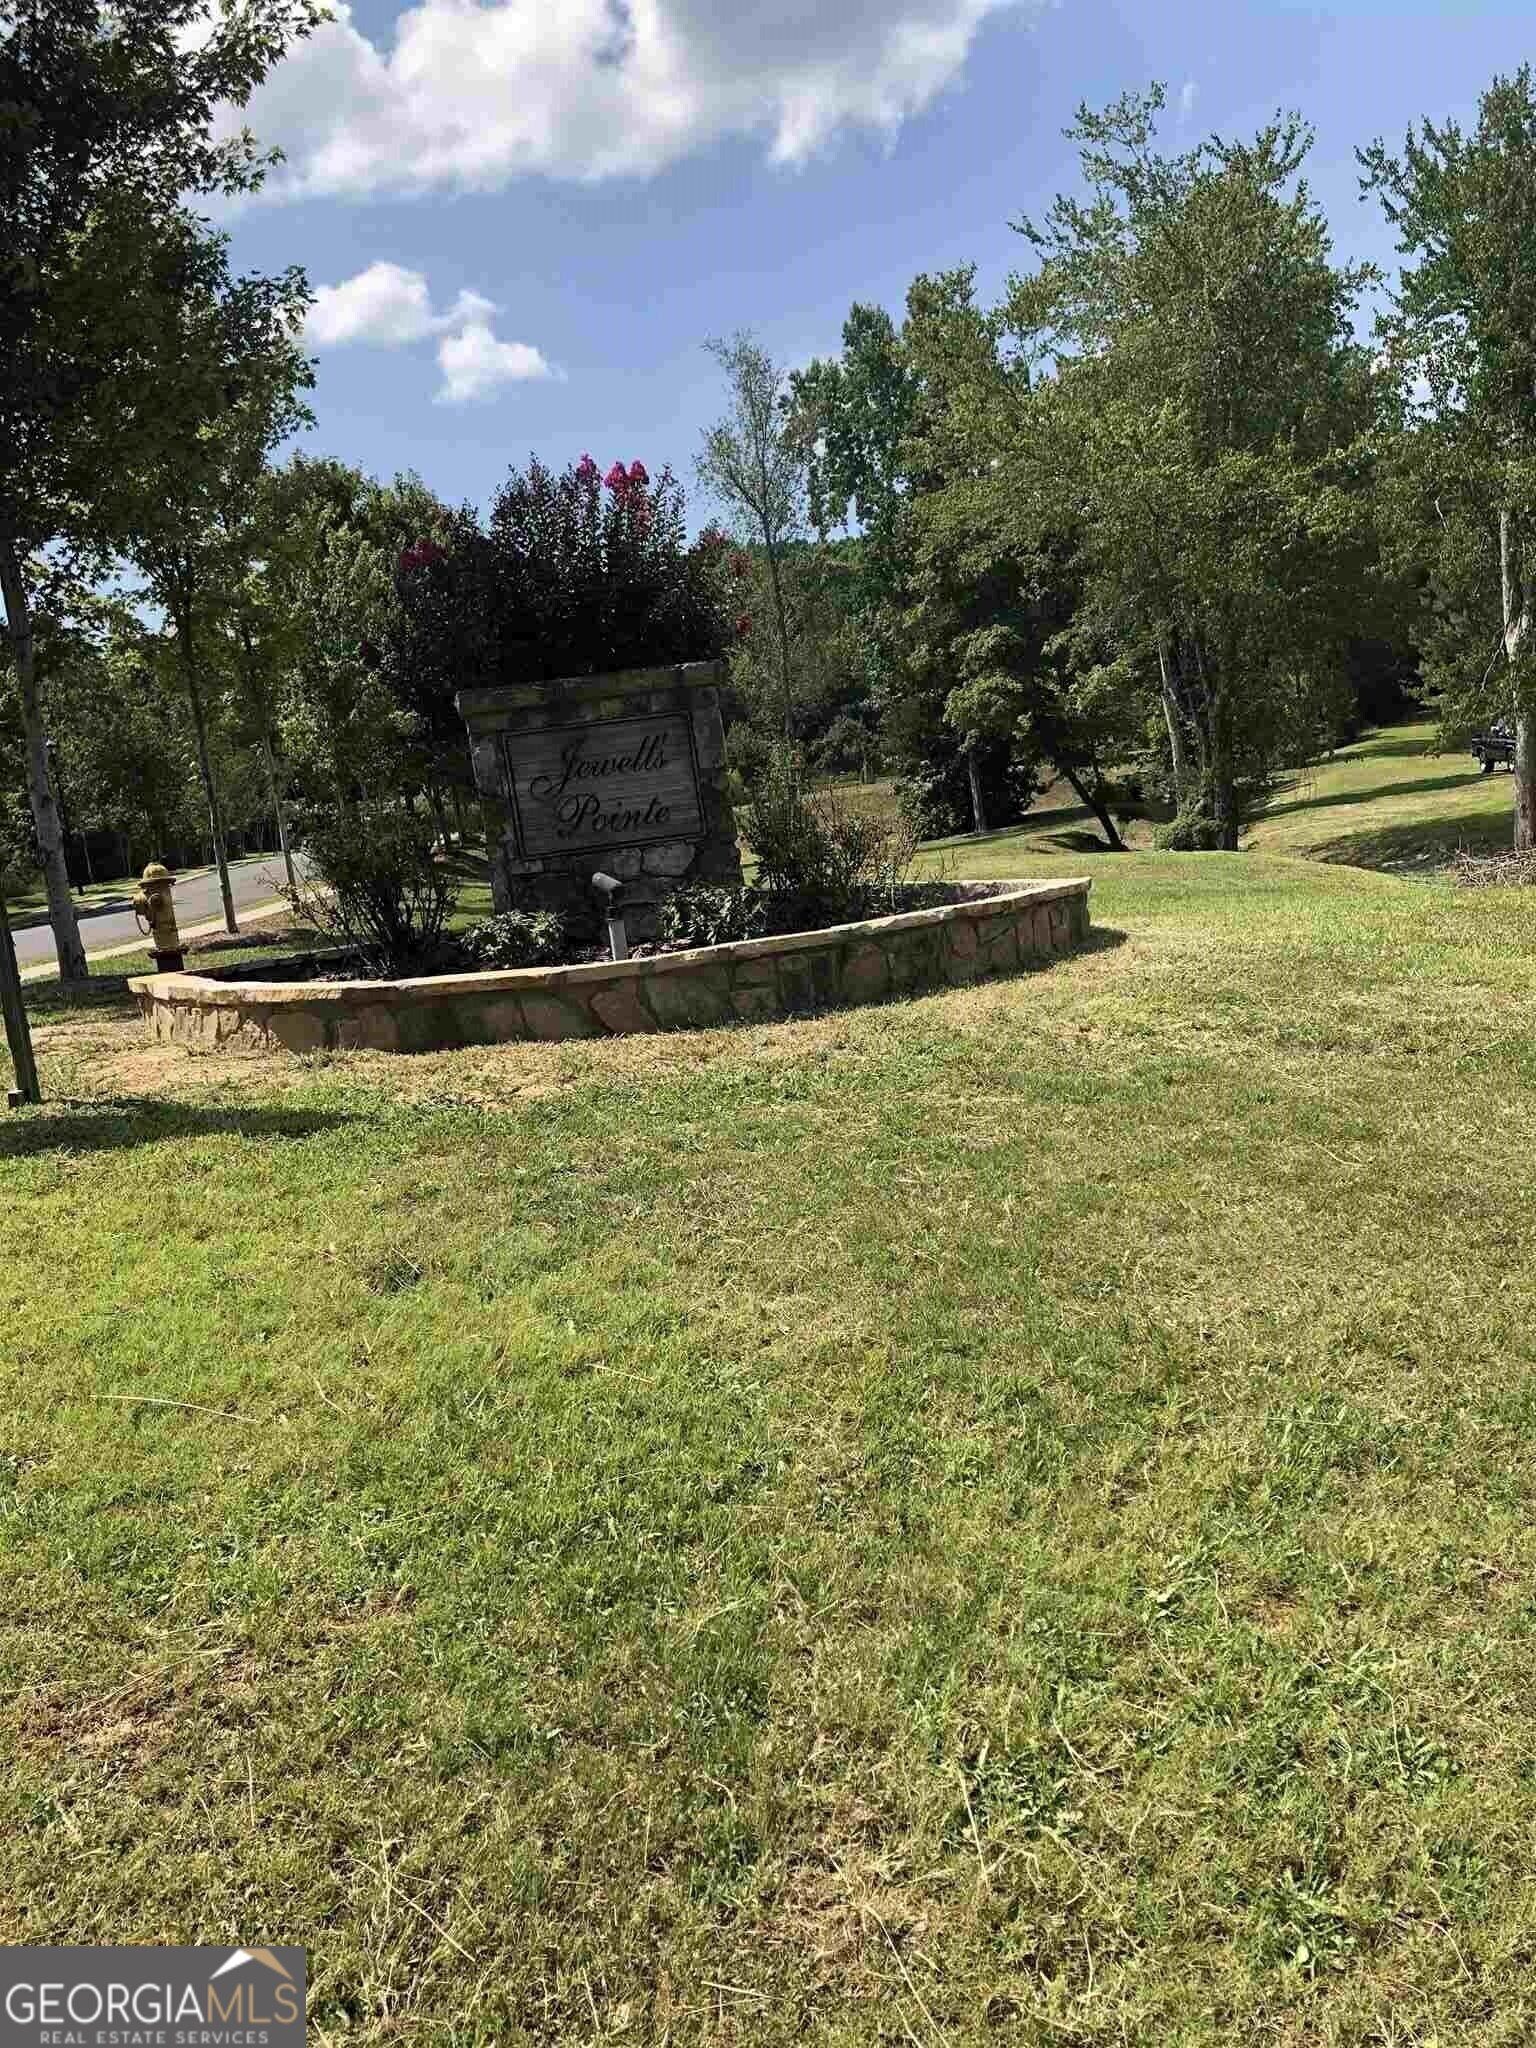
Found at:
(17, 1031)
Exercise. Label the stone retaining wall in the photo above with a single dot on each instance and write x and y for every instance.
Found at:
(1021, 923)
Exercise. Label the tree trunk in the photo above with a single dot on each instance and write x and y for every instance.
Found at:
(205, 767)
(456, 798)
(277, 804)
(1173, 712)
(1095, 803)
(1223, 775)
(46, 820)
(439, 815)
(781, 627)
(978, 801)
(1516, 577)
(18, 1033)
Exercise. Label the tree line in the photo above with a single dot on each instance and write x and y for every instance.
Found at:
(1169, 516)
(1163, 520)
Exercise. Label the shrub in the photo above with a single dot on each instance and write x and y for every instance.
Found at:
(1193, 830)
(375, 888)
(517, 938)
(821, 862)
(936, 794)
(704, 914)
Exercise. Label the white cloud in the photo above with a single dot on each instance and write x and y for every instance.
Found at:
(1189, 92)
(386, 305)
(474, 364)
(390, 307)
(473, 93)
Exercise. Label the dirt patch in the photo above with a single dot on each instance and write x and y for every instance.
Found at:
(277, 928)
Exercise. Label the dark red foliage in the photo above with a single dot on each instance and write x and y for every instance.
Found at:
(560, 581)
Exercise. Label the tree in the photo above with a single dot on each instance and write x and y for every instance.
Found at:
(1464, 321)
(195, 531)
(345, 734)
(856, 416)
(864, 420)
(963, 591)
(998, 601)
(755, 464)
(108, 122)
(822, 585)
(112, 725)
(1196, 423)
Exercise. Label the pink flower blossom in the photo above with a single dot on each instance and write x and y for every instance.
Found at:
(638, 475)
(617, 479)
(421, 554)
(586, 469)
(743, 626)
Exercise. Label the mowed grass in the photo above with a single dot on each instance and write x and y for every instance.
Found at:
(1001, 1517)
(1390, 801)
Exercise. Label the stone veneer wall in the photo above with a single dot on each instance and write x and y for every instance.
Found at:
(752, 979)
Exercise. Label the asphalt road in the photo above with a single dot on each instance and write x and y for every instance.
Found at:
(197, 900)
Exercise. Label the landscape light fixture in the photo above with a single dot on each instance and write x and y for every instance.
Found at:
(609, 887)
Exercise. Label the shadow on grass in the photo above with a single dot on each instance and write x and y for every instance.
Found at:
(1392, 746)
(121, 1122)
(49, 1002)
(1339, 800)
(1054, 826)
(1077, 842)
(1102, 938)
(1395, 848)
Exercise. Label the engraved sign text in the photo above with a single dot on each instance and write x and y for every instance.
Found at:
(623, 782)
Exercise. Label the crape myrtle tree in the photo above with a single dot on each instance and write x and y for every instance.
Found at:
(576, 573)
(1463, 330)
(106, 128)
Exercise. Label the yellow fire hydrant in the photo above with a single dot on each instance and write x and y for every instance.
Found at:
(156, 914)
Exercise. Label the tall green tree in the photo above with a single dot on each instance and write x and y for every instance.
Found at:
(1464, 322)
(868, 421)
(755, 465)
(106, 128)
(1197, 422)
(195, 526)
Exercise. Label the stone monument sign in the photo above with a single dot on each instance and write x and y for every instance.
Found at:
(620, 774)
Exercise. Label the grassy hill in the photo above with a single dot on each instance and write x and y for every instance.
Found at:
(1389, 802)
(1001, 1517)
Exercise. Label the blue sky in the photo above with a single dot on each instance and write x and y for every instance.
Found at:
(529, 214)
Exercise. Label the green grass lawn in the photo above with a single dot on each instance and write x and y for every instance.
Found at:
(1004, 1517)
(1391, 802)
